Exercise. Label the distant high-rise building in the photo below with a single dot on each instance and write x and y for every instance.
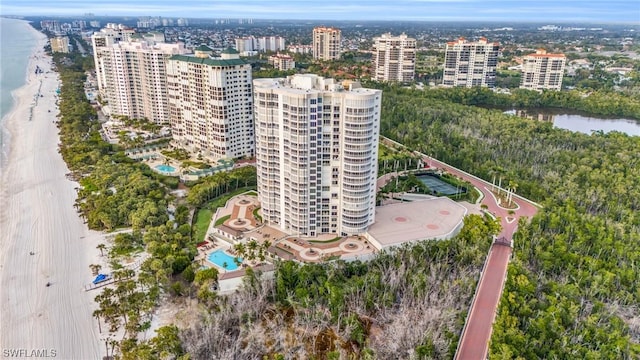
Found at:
(50, 25)
(78, 24)
(326, 43)
(317, 154)
(134, 79)
(394, 58)
(94, 23)
(282, 62)
(271, 43)
(542, 71)
(245, 44)
(211, 103)
(468, 64)
(109, 35)
(60, 44)
(249, 44)
(300, 49)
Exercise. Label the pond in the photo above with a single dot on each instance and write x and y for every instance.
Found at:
(583, 123)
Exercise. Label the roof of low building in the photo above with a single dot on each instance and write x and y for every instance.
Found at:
(230, 50)
(203, 48)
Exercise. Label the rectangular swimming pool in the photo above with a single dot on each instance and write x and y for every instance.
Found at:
(221, 258)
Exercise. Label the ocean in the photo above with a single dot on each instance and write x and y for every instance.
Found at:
(17, 41)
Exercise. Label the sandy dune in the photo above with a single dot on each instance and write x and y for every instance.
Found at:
(37, 214)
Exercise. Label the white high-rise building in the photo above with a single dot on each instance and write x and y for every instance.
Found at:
(245, 44)
(542, 71)
(133, 78)
(300, 49)
(394, 58)
(317, 154)
(326, 43)
(248, 44)
(211, 103)
(468, 64)
(109, 35)
(271, 43)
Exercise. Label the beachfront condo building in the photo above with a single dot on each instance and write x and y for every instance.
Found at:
(394, 58)
(468, 64)
(109, 35)
(316, 154)
(326, 43)
(542, 71)
(60, 44)
(211, 103)
(134, 78)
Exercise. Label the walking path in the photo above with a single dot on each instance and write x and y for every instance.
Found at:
(474, 342)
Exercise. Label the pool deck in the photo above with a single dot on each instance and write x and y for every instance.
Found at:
(436, 218)
(206, 249)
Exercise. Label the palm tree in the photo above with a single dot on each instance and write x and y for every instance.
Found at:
(512, 188)
(95, 268)
(240, 252)
(252, 246)
(101, 247)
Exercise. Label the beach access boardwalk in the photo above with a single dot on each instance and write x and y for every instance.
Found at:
(476, 334)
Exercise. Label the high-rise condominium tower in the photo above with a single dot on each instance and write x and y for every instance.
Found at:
(134, 80)
(211, 103)
(111, 34)
(326, 43)
(394, 58)
(542, 71)
(60, 44)
(468, 64)
(316, 154)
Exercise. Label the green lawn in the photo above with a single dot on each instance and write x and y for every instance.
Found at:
(256, 215)
(222, 220)
(203, 217)
(202, 223)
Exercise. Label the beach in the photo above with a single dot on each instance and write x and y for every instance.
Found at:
(42, 238)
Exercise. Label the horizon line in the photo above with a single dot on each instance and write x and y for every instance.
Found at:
(515, 21)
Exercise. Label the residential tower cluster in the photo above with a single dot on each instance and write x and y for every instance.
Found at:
(314, 139)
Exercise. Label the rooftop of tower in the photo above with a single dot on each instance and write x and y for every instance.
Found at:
(304, 83)
(209, 61)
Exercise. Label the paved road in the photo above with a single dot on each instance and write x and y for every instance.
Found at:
(474, 343)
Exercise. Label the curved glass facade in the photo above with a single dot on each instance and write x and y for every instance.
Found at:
(316, 154)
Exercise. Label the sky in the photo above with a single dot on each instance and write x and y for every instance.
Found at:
(598, 11)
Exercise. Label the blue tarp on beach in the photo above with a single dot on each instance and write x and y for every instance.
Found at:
(100, 278)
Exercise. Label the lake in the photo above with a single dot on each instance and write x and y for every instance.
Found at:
(583, 123)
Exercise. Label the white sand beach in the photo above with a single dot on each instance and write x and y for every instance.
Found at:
(37, 215)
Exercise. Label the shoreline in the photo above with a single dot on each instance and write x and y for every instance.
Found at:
(42, 238)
